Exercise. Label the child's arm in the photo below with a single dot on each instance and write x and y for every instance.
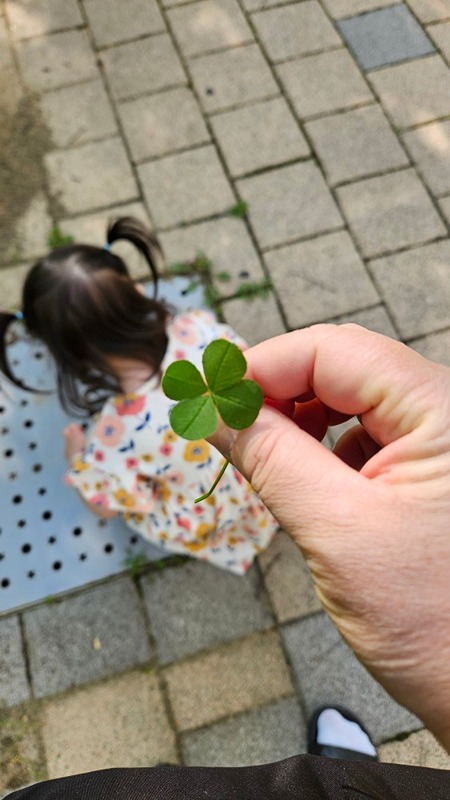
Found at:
(75, 442)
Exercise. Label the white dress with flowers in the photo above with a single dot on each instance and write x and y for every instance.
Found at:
(134, 463)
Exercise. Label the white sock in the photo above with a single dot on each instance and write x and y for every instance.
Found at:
(336, 730)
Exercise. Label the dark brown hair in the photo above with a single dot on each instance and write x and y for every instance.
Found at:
(82, 303)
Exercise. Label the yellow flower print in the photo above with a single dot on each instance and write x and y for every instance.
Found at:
(124, 498)
(196, 451)
(169, 437)
(204, 531)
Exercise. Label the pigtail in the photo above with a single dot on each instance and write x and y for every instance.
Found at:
(134, 231)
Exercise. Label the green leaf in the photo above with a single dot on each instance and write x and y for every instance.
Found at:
(239, 405)
(194, 418)
(182, 379)
(224, 365)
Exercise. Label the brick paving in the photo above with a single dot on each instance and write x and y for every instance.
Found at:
(331, 119)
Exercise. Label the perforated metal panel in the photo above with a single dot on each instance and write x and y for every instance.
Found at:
(49, 541)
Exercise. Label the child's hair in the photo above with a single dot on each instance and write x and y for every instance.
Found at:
(82, 303)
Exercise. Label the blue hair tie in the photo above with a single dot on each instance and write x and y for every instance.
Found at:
(107, 246)
(18, 315)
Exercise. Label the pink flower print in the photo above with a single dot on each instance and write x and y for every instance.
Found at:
(179, 355)
(166, 449)
(99, 500)
(99, 455)
(132, 463)
(129, 404)
(109, 430)
(184, 330)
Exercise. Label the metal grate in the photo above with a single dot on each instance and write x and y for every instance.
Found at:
(49, 542)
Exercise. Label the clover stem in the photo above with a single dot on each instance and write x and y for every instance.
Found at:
(209, 493)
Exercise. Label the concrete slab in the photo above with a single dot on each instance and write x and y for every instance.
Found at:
(232, 78)
(74, 176)
(118, 22)
(147, 65)
(49, 62)
(120, 723)
(295, 30)
(356, 144)
(235, 678)
(88, 636)
(415, 92)
(327, 672)
(324, 83)
(37, 17)
(304, 204)
(320, 278)
(148, 123)
(256, 319)
(385, 36)
(227, 245)
(288, 580)
(197, 606)
(390, 212)
(185, 187)
(258, 136)
(14, 687)
(209, 25)
(78, 114)
(415, 288)
(260, 737)
(429, 147)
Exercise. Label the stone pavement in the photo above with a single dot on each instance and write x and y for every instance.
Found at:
(331, 119)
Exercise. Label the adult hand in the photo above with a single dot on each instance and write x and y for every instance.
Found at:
(373, 517)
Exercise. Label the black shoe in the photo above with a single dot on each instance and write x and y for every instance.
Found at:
(332, 751)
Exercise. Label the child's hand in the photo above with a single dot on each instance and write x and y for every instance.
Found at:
(75, 441)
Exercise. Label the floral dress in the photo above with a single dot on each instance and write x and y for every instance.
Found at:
(134, 463)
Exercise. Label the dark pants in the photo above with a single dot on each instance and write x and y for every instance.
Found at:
(298, 778)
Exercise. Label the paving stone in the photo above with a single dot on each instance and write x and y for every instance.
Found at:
(429, 146)
(440, 34)
(420, 749)
(288, 579)
(295, 30)
(355, 144)
(324, 83)
(255, 320)
(385, 36)
(91, 229)
(227, 245)
(390, 212)
(258, 136)
(88, 636)
(78, 114)
(37, 17)
(347, 8)
(14, 687)
(234, 77)
(31, 231)
(20, 757)
(375, 319)
(185, 187)
(12, 278)
(149, 128)
(289, 203)
(198, 606)
(74, 176)
(209, 25)
(116, 22)
(320, 278)
(122, 722)
(328, 673)
(260, 737)
(414, 93)
(57, 60)
(435, 347)
(416, 288)
(219, 684)
(147, 65)
(429, 10)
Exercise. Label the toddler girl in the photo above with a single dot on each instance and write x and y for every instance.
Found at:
(111, 344)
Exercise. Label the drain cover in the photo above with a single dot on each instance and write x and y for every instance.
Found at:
(49, 542)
